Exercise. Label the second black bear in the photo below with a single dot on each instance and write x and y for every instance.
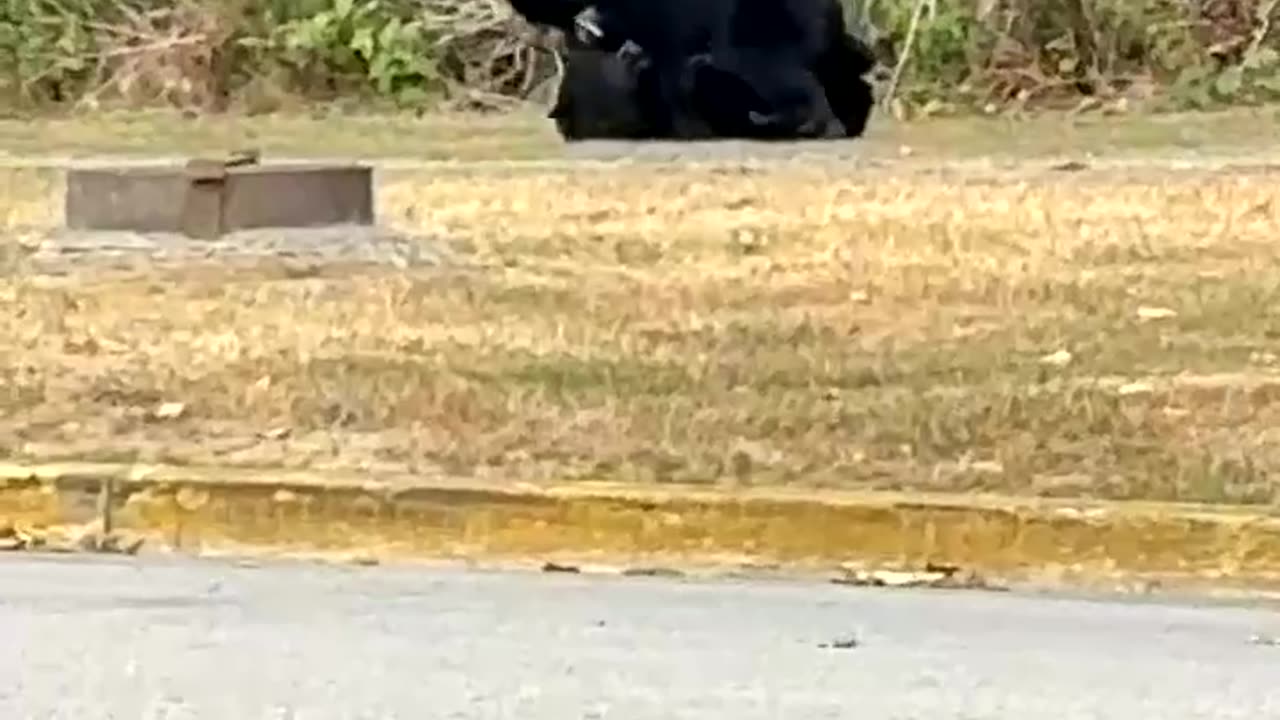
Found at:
(770, 68)
(608, 95)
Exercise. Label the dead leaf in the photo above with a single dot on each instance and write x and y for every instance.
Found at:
(932, 576)
(1136, 388)
(1156, 313)
(1069, 166)
(191, 499)
(170, 410)
(278, 433)
(284, 496)
(1061, 358)
(123, 544)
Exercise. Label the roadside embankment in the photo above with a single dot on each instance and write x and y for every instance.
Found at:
(197, 510)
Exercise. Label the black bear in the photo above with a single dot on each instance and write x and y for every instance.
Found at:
(562, 14)
(747, 94)
(618, 95)
(841, 68)
(760, 67)
(771, 46)
(608, 95)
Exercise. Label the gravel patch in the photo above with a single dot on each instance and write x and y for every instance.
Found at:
(62, 251)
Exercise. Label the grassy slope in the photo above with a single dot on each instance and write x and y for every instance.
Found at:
(1091, 333)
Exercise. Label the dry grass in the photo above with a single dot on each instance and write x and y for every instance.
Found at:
(1080, 334)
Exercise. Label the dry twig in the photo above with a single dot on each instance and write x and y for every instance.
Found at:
(922, 7)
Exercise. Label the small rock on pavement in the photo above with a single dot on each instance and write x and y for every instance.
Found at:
(843, 642)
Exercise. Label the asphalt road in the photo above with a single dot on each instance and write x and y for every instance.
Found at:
(143, 639)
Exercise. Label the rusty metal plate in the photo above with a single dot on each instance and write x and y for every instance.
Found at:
(208, 198)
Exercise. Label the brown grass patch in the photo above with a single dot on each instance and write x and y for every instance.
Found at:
(1100, 334)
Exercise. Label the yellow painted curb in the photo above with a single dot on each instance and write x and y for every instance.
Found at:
(203, 508)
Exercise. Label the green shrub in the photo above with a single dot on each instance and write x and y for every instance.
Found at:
(206, 54)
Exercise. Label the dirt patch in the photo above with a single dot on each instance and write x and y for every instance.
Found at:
(529, 135)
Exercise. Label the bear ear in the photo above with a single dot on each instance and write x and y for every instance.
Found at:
(698, 70)
(699, 63)
(586, 26)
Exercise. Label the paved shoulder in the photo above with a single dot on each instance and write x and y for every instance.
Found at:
(90, 639)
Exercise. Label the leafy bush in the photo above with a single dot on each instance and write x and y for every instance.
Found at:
(207, 54)
(1186, 52)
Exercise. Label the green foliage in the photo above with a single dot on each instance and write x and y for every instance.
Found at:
(981, 51)
(46, 45)
(946, 46)
(378, 45)
(58, 50)
(1200, 53)
(1254, 80)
